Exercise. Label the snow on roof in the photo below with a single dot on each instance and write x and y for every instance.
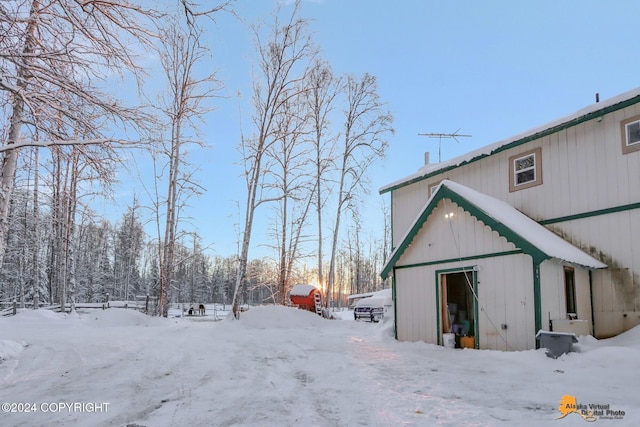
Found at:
(302, 290)
(491, 148)
(535, 237)
(383, 293)
(374, 301)
(538, 235)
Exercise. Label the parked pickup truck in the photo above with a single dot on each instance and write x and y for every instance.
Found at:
(372, 308)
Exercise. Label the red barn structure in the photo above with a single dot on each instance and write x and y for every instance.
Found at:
(307, 297)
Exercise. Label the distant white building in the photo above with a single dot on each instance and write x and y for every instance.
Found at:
(539, 231)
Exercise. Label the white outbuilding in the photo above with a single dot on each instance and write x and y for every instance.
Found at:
(536, 232)
(462, 236)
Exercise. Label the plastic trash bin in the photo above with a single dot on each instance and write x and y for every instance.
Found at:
(556, 343)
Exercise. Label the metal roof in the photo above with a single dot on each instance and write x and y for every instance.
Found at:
(591, 112)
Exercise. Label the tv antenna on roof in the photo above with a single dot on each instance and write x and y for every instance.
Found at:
(455, 135)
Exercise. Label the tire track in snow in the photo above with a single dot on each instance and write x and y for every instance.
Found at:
(393, 382)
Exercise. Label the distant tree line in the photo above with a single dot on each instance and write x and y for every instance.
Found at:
(119, 261)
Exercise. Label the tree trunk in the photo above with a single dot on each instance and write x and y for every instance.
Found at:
(318, 184)
(70, 224)
(282, 282)
(35, 282)
(10, 157)
(342, 199)
(246, 238)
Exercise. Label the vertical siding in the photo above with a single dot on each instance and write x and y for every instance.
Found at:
(505, 297)
(553, 298)
(584, 164)
(415, 305)
(583, 296)
(505, 292)
(616, 290)
(448, 238)
(407, 202)
(584, 170)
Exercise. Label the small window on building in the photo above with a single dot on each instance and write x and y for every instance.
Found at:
(432, 188)
(570, 292)
(525, 170)
(630, 135)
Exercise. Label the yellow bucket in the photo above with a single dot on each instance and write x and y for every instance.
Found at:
(467, 342)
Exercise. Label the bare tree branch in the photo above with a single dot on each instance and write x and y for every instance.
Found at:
(366, 126)
(66, 142)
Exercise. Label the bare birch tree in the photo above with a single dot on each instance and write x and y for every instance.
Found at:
(282, 61)
(54, 47)
(320, 100)
(291, 178)
(37, 277)
(183, 105)
(366, 127)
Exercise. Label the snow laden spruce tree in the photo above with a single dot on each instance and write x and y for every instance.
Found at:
(128, 242)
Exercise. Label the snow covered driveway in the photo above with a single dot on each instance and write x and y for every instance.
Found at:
(284, 367)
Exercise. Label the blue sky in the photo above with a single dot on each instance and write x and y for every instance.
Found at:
(492, 69)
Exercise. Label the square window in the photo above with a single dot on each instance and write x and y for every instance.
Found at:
(525, 162)
(525, 176)
(633, 133)
(525, 170)
(630, 134)
(432, 187)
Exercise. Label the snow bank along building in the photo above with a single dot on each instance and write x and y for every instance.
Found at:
(539, 231)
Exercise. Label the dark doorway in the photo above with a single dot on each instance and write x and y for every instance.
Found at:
(458, 308)
(570, 292)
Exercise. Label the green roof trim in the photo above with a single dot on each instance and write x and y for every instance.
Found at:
(590, 214)
(466, 258)
(444, 192)
(537, 135)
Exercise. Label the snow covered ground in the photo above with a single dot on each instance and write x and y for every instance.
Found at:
(279, 366)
